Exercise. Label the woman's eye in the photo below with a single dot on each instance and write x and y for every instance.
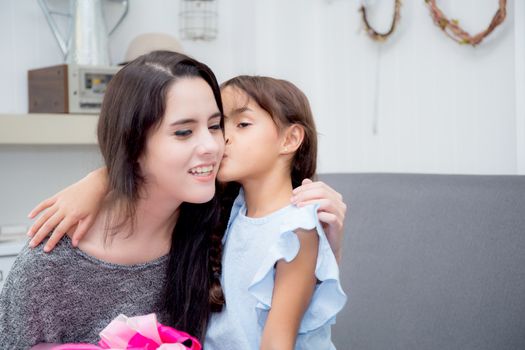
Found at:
(182, 133)
(243, 125)
(215, 127)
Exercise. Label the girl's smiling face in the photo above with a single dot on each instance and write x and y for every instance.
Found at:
(253, 141)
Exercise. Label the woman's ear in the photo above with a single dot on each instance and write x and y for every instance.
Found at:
(293, 138)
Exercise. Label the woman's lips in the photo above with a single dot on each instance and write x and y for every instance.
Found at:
(205, 178)
(204, 172)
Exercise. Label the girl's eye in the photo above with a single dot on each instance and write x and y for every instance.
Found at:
(243, 125)
(215, 127)
(182, 133)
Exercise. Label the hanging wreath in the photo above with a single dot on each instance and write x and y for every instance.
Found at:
(374, 34)
(454, 31)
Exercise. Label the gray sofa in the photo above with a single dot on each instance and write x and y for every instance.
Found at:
(432, 262)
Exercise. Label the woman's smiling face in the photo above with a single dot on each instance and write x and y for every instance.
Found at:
(182, 154)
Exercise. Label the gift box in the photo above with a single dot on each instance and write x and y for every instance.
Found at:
(134, 333)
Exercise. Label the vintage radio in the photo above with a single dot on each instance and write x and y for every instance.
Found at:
(68, 88)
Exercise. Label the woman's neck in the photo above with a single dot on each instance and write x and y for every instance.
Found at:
(267, 193)
(145, 238)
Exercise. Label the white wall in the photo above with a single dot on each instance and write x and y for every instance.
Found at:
(441, 107)
(438, 107)
(520, 84)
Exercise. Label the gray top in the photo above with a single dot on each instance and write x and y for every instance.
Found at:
(69, 296)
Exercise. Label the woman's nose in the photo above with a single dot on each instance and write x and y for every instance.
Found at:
(209, 144)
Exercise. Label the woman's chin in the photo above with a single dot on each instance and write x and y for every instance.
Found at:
(200, 199)
(199, 195)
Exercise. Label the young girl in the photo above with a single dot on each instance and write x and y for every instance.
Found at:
(271, 146)
(279, 275)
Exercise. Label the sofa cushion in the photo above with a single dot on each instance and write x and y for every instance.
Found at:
(432, 262)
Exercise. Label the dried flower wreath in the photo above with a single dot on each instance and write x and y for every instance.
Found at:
(374, 34)
(453, 30)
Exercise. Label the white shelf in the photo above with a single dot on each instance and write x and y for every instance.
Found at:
(48, 129)
(12, 247)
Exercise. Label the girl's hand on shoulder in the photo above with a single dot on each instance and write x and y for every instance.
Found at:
(76, 205)
(332, 210)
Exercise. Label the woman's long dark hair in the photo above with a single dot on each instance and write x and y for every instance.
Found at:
(134, 104)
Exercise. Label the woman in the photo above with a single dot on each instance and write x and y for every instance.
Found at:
(121, 265)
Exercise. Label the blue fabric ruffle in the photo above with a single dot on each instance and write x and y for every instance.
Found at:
(328, 298)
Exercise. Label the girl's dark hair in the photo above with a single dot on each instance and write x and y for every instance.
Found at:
(287, 105)
(134, 104)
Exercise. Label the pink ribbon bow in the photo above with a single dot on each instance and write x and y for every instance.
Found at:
(137, 333)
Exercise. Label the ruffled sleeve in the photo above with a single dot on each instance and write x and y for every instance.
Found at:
(236, 207)
(328, 298)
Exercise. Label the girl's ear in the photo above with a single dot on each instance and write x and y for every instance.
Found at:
(293, 138)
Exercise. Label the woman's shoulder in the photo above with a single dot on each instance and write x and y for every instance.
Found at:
(62, 250)
(34, 274)
(35, 263)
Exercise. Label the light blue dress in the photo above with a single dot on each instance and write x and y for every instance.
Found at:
(252, 247)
